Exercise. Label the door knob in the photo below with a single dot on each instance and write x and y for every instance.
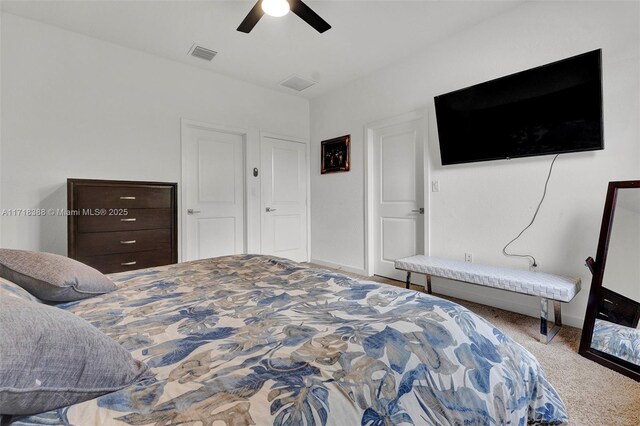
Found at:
(269, 210)
(192, 211)
(420, 210)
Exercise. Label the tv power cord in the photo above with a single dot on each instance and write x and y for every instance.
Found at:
(535, 214)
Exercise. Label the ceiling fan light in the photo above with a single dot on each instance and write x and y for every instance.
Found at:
(275, 8)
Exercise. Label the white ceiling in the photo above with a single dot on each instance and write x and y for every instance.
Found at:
(366, 35)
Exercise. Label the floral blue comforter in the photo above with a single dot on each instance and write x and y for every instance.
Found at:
(244, 340)
(617, 340)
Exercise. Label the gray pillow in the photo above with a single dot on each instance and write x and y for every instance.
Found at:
(51, 277)
(50, 358)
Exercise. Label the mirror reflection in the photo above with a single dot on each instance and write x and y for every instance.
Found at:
(617, 330)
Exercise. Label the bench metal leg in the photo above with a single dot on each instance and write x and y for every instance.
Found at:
(408, 282)
(545, 334)
(557, 313)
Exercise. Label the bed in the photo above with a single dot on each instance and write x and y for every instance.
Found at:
(242, 340)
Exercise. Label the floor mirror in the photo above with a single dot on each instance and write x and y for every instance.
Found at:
(611, 331)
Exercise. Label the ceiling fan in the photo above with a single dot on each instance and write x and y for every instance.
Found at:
(280, 8)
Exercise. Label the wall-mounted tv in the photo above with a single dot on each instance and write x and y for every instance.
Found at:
(554, 108)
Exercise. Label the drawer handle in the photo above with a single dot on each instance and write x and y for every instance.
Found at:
(127, 198)
(603, 314)
(608, 301)
(128, 220)
(128, 263)
(128, 242)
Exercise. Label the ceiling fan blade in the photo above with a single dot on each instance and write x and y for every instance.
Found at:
(252, 18)
(309, 16)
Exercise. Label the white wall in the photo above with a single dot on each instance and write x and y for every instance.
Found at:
(622, 268)
(482, 206)
(0, 129)
(78, 107)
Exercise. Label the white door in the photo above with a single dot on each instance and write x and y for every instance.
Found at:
(213, 193)
(284, 199)
(398, 195)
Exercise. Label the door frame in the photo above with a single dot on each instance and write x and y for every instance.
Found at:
(305, 142)
(182, 218)
(421, 116)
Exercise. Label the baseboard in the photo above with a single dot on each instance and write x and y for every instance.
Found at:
(340, 267)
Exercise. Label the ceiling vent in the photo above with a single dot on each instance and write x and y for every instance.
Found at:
(297, 83)
(202, 52)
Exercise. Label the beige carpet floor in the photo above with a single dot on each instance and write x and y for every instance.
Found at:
(594, 395)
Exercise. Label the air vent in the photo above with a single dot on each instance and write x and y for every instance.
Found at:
(297, 83)
(202, 53)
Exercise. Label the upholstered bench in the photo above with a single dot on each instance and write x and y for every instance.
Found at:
(548, 287)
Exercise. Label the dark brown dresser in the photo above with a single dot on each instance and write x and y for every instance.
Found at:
(117, 226)
(618, 309)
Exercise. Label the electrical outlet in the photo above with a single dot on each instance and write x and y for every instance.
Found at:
(532, 268)
(435, 186)
(468, 257)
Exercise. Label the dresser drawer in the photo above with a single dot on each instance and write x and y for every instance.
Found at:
(120, 262)
(97, 197)
(618, 309)
(97, 243)
(135, 219)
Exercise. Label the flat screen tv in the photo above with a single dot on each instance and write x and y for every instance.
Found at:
(554, 108)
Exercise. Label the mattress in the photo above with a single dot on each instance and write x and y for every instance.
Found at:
(249, 339)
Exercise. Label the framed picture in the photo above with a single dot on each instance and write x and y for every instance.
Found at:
(335, 155)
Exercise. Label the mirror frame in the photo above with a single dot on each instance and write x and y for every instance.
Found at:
(595, 293)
